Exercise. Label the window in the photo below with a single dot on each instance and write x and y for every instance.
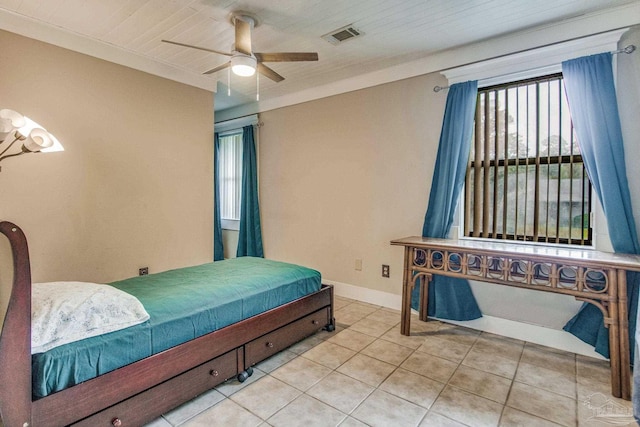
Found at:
(525, 178)
(230, 179)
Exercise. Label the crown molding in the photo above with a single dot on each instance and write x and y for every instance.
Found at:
(552, 33)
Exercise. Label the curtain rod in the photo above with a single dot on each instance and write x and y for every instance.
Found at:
(627, 49)
(231, 122)
(239, 117)
(236, 118)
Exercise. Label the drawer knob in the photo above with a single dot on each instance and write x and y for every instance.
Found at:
(315, 322)
(116, 422)
(214, 373)
(270, 344)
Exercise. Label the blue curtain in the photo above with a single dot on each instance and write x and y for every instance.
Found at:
(594, 112)
(450, 298)
(250, 235)
(218, 249)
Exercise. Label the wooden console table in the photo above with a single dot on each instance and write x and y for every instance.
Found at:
(598, 278)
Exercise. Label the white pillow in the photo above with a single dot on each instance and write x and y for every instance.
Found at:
(63, 312)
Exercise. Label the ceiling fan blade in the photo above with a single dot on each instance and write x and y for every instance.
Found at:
(218, 68)
(286, 56)
(243, 36)
(268, 72)
(198, 47)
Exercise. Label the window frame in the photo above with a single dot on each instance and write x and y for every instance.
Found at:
(463, 212)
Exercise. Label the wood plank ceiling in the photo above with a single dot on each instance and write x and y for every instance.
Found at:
(394, 32)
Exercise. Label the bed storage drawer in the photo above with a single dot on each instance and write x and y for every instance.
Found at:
(273, 342)
(167, 395)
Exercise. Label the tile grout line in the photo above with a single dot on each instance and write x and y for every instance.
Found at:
(370, 315)
(374, 388)
(513, 380)
(448, 381)
(577, 411)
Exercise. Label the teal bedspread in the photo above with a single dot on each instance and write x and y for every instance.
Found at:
(183, 304)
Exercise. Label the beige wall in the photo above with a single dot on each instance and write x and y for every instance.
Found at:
(339, 177)
(134, 186)
(230, 243)
(342, 176)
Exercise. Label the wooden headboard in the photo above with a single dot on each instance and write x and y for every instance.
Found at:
(15, 339)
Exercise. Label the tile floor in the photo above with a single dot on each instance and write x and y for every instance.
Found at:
(367, 374)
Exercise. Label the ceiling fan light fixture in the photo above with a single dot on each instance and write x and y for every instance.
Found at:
(244, 61)
(243, 65)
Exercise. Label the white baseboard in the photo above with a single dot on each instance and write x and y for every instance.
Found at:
(371, 296)
(554, 338)
(536, 334)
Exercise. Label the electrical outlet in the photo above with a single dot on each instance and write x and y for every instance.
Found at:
(385, 270)
(143, 271)
(358, 265)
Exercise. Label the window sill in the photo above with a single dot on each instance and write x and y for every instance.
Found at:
(529, 243)
(230, 224)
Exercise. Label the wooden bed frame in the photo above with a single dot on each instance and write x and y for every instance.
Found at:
(140, 392)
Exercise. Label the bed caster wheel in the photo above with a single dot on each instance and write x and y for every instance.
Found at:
(331, 327)
(242, 376)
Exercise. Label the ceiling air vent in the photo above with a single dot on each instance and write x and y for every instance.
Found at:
(342, 34)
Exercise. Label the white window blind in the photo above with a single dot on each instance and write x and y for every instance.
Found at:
(230, 177)
(526, 179)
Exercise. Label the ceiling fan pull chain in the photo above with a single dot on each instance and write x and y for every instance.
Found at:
(229, 81)
(257, 86)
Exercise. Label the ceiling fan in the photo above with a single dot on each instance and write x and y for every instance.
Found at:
(244, 61)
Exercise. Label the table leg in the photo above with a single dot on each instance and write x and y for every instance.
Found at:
(424, 296)
(407, 287)
(614, 336)
(625, 365)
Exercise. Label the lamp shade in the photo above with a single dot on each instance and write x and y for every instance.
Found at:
(34, 138)
(9, 121)
(243, 65)
(38, 140)
(55, 147)
(41, 140)
(28, 126)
